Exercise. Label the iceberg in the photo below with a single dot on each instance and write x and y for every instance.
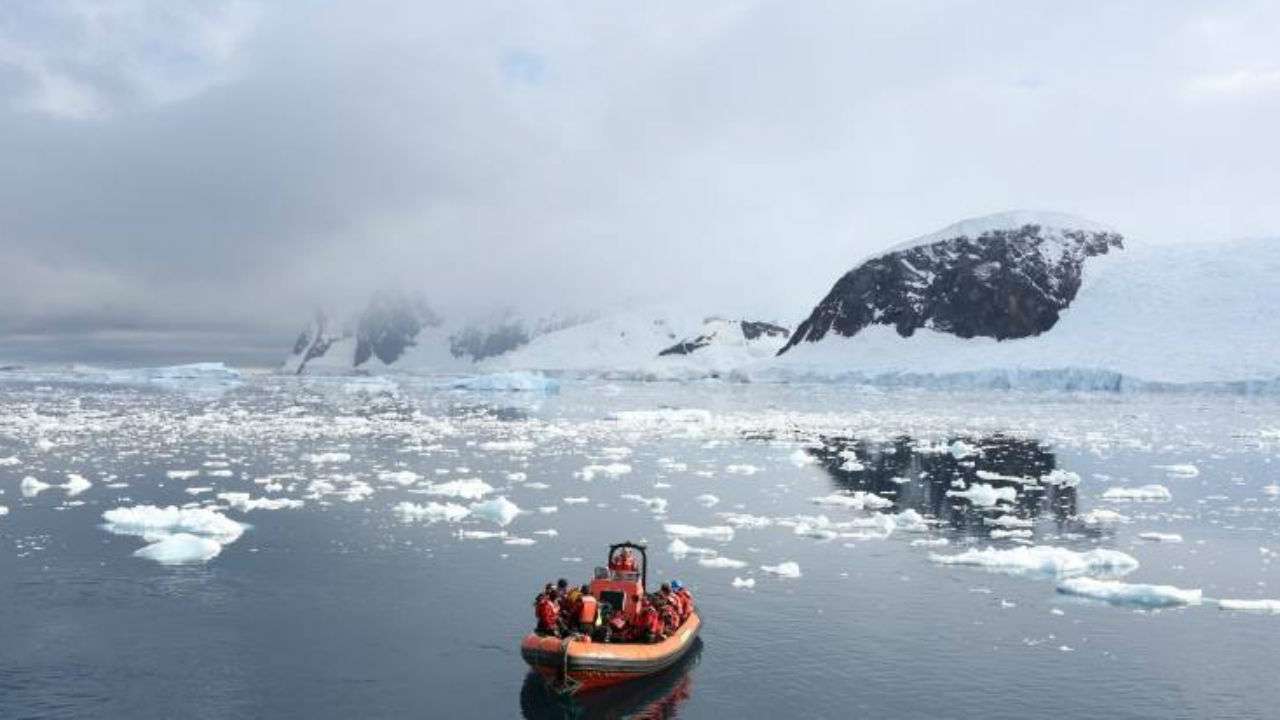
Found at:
(516, 381)
(1145, 493)
(1043, 560)
(1120, 593)
(499, 510)
(180, 549)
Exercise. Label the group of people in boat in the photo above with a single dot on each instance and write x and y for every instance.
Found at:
(563, 611)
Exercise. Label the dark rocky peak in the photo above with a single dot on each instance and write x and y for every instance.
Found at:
(389, 324)
(716, 329)
(1005, 276)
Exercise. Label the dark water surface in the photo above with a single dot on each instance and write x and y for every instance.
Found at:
(345, 608)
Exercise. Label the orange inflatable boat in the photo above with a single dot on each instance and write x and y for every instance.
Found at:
(577, 663)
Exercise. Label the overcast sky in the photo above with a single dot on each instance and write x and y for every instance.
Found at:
(206, 173)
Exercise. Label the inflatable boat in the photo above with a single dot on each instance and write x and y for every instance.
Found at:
(577, 663)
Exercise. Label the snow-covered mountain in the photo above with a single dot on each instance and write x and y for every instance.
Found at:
(1046, 300)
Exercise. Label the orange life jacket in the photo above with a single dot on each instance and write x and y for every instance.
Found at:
(588, 609)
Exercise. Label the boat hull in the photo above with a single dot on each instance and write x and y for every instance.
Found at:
(593, 665)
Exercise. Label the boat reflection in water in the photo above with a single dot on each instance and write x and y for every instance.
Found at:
(919, 476)
(652, 698)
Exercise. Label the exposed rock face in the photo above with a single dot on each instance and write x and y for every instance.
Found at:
(312, 342)
(717, 330)
(480, 340)
(1002, 282)
(389, 325)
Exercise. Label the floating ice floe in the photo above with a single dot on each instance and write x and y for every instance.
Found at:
(745, 584)
(431, 512)
(961, 450)
(614, 470)
(180, 549)
(400, 477)
(154, 523)
(800, 458)
(509, 382)
(11, 461)
(469, 489)
(1009, 522)
(576, 500)
(1121, 593)
(722, 533)
(930, 542)
(75, 485)
(499, 510)
(244, 503)
(3, 511)
(1258, 606)
(746, 520)
(788, 569)
(481, 534)
(1099, 517)
(1185, 470)
(741, 469)
(858, 500)
(517, 476)
(511, 446)
(327, 458)
(1273, 490)
(182, 474)
(519, 541)
(707, 500)
(722, 563)
(983, 495)
(31, 487)
(1043, 560)
(1000, 534)
(1145, 493)
(1161, 537)
(995, 476)
(656, 504)
(1062, 478)
(679, 549)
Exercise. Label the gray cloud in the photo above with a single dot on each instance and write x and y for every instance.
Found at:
(229, 166)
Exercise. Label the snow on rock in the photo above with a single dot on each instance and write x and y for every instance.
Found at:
(983, 495)
(788, 569)
(499, 510)
(180, 549)
(723, 533)
(1043, 560)
(1121, 593)
(431, 512)
(1258, 606)
(1144, 493)
(1161, 537)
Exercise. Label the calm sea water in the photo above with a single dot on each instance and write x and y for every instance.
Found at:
(345, 607)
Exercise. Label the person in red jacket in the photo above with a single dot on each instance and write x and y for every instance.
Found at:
(650, 622)
(547, 613)
(685, 598)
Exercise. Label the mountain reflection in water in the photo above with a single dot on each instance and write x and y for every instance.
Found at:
(918, 476)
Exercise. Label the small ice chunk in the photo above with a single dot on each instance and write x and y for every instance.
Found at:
(983, 495)
(1185, 470)
(180, 549)
(519, 541)
(1161, 537)
(679, 549)
(1121, 593)
(244, 503)
(1145, 493)
(612, 470)
(181, 474)
(999, 534)
(745, 584)
(431, 512)
(400, 477)
(1102, 517)
(11, 461)
(707, 500)
(1045, 560)
(518, 381)
(327, 458)
(656, 504)
(499, 510)
(31, 487)
(858, 500)
(721, 562)
(1261, 606)
(3, 511)
(1062, 478)
(961, 450)
(76, 484)
(576, 500)
(800, 458)
(746, 520)
(517, 476)
(930, 542)
(722, 533)
(741, 469)
(511, 446)
(154, 523)
(1273, 490)
(470, 489)
(1009, 522)
(788, 569)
